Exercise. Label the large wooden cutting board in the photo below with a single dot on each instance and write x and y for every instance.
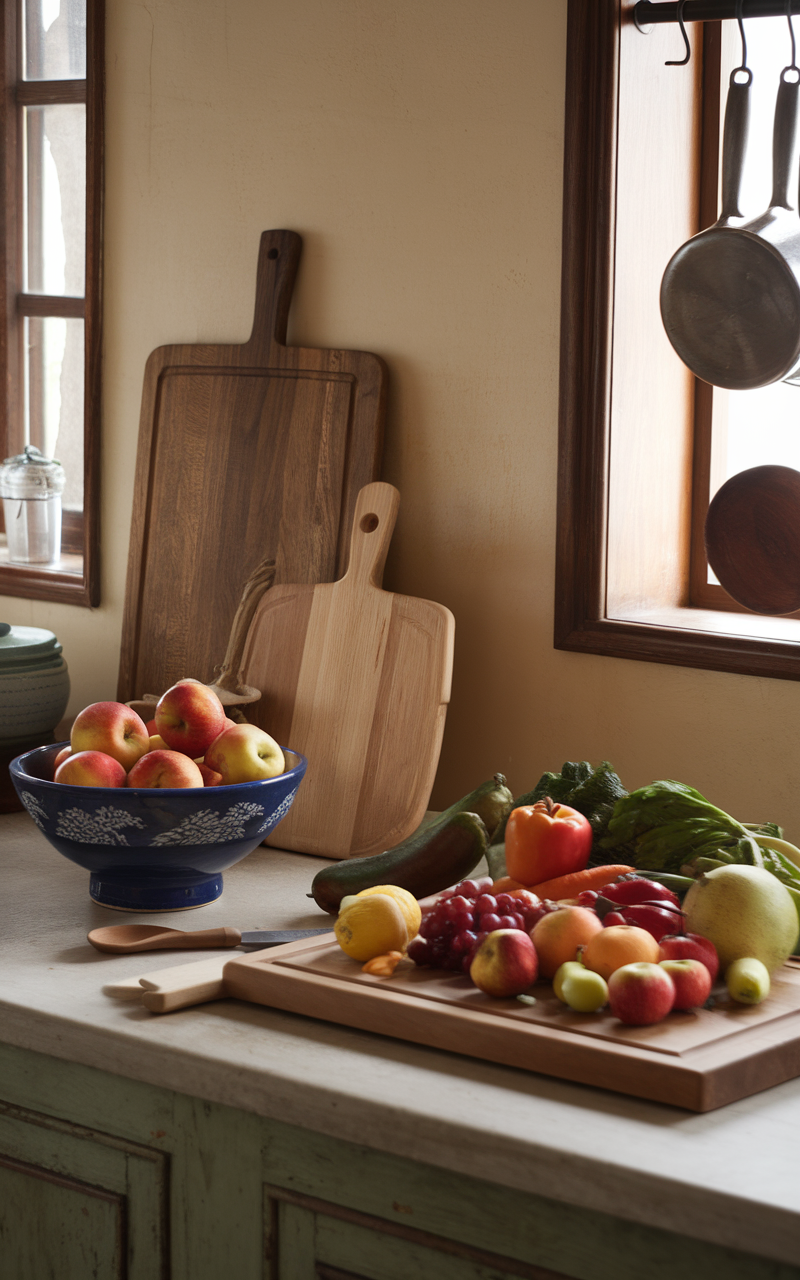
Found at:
(245, 452)
(358, 680)
(699, 1060)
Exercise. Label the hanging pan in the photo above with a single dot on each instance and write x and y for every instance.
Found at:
(752, 535)
(730, 296)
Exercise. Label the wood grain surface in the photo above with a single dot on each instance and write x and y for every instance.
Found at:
(245, 452)
(699, 1060)
(358, 680)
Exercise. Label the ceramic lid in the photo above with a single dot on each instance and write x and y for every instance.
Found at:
(31, 475)
(27, 649)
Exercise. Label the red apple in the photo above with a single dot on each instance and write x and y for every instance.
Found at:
(112, 728)
(61, 757)
(209, 776)
(165, 769)
(505, 963)
(640, 993)
(690, 946)
(90, 769)
(151, 727)
(245, 753)
(189, 716)
(692, 982)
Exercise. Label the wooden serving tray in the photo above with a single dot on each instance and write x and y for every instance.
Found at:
(699, 1060)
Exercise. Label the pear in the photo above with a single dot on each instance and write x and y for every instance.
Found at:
(746, 912)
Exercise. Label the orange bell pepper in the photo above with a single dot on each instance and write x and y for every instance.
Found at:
(545, 840)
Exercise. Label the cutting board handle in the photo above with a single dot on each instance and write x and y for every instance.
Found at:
(278, 259)
(373, 525)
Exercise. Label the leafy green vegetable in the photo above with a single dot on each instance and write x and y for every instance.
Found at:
(592, 791)
(670, 825)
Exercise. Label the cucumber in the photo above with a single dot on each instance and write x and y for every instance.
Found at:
(430, 860)
(492, 802)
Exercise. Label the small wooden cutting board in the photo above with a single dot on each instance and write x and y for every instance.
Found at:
(358, 680)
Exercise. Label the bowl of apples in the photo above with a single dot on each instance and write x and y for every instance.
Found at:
(156, 812)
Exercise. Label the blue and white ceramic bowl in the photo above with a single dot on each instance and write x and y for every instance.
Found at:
(153, 849)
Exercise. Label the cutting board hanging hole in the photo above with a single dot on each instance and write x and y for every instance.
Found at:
(273, 253)
(369, 523)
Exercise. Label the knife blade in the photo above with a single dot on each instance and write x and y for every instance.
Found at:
(258, 938)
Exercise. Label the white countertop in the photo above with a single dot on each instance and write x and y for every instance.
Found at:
(729, 1176)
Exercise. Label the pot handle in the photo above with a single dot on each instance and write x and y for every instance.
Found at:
(734, 142)
(784, 139)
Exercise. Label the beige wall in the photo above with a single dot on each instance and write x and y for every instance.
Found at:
(417, 148)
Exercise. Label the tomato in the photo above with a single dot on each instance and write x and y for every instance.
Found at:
(545, 840)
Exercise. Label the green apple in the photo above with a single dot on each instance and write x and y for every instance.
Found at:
(583, 990)
(561, 973)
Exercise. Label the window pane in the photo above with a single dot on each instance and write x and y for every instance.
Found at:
(55, 39)
(55, 199)
(754, 428)
(54, 397)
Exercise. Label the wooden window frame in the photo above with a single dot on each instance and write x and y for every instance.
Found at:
(76, 579)
(631, 465)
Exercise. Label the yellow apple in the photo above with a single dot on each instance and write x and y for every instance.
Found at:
(245, 753)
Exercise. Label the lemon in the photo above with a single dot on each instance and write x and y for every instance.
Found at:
(405, 901)
(370, 926)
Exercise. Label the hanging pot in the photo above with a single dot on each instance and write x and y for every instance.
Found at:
(730, 297)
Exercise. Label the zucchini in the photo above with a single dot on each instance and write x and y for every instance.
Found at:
(430, 860)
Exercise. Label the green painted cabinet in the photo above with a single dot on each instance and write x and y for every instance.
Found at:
(102, 1177)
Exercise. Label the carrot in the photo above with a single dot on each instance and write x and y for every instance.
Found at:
(570, 886)
(506, 885)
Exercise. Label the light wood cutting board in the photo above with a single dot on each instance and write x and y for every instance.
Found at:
(246, 452)
(698, 1060)
(358, 680)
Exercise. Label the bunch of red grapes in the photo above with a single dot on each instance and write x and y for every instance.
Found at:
(455, 926)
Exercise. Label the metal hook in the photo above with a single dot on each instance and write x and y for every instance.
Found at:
(683, 61)
(739, 19)
(744, 67)
(793, 64)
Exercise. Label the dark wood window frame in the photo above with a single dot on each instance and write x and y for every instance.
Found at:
(76, 579)
(630, 459)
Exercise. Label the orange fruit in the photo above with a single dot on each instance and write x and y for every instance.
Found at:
(617, 945)
(558, 935)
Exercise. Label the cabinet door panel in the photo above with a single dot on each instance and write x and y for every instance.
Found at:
(53, 1227)
(306, 1243)
(76, 1203)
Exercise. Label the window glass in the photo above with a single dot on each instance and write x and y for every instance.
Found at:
(54, 39)
(752, 428)
(55, 199)
(54, 397)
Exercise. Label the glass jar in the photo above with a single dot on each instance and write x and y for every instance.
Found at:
(31, 486)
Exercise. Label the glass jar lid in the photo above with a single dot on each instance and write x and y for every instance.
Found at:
(27, 649)
(31, 475)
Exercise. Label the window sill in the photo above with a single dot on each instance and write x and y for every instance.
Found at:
(63, 582)
(748, 644)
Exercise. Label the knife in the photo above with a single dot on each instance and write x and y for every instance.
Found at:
(258, 938)
(121, 939)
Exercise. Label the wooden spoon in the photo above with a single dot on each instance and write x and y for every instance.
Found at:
(752, 536)
(122, 938)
